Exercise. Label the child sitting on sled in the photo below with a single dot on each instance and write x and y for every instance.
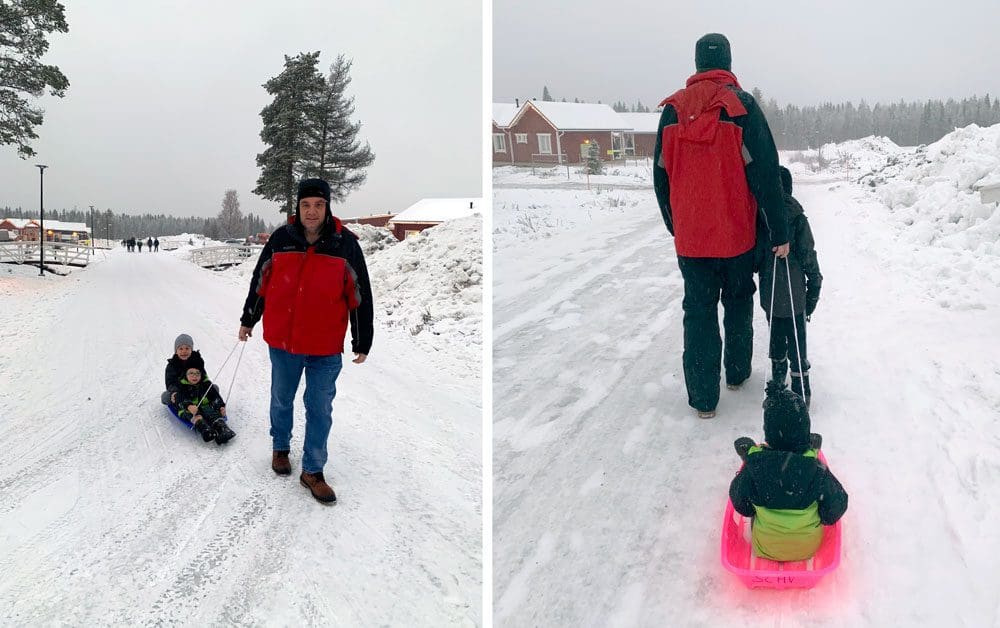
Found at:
(199, 402)
(184, 356)
(785, 488)
(806, 280)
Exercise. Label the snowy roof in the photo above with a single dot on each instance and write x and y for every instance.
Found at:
(438, 210)
(571, 116)
(504, 112)
(19, 223)
(641, 122)
(58, 225)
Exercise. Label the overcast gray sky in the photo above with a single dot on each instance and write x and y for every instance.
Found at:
(163, 109)
(797, 52)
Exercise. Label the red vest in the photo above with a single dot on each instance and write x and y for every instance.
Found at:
(713, 212)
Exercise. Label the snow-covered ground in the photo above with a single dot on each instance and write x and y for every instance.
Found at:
(609, 493)
(111, 513)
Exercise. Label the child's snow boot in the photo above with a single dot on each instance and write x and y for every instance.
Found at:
(206, 431)
(779, 369)
(800, 386)
(743, 445)
(222, 432)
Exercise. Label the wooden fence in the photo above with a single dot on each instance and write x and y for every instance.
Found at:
(224, 256)
(26, 252)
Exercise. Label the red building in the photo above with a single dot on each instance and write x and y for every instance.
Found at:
(429, 212)
(375, 220)
(641, 140)
(503, 114)
(557, 133)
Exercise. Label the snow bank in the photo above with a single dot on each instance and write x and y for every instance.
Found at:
(931, 191)
(431, 283)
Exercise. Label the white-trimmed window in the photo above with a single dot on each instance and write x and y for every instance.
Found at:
(544, 143)
(499, 143)
(521, 138)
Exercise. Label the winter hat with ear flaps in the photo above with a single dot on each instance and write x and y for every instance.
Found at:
(786, 419)
(712, 52)
(183, 339)
(313, 188)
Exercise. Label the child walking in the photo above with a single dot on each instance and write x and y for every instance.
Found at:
(785, 488)
(788, 321)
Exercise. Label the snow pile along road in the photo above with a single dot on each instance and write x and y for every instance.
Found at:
(933, 191)
(431, 284)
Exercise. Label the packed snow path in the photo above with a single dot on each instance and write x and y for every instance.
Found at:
(609, 492)
(112, 513)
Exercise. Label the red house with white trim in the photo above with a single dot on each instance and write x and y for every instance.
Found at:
(560, 132)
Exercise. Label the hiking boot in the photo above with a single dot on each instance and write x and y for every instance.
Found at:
(318, 487)
(280, 463)
(743, 445)
(706, 414)
(779, 369)
(815, 441)
(222, 432)
(800, 385)
(206, 431)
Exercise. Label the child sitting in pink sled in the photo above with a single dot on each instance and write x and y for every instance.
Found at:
(783, 486)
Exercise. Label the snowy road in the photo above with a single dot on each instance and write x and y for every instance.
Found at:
(608, 492)
(112, 513)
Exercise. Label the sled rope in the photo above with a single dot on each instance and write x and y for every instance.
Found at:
(791, 305)
(236, 369)
(219, 372)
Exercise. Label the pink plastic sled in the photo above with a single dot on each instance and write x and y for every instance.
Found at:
(760, 573)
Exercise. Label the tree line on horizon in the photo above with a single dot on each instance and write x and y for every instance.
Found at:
(230, 223)
(905, 123)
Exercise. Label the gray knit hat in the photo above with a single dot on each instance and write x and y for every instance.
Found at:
(183, 339)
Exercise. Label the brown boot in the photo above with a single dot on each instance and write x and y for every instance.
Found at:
(280, 463)
(318, 487)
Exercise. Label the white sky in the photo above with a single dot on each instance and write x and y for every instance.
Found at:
(163, 110)
(799, 53)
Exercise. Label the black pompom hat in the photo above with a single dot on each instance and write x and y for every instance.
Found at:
(786, 419)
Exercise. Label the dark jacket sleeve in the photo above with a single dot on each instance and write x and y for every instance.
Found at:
(661, 182)
(253, 307)
(762, 169)
(171, 378)
(741, 491)
(363, 316)
(832, 500)
(805, 251)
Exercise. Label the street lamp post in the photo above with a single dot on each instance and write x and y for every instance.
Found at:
(93, 229)
(41, 219)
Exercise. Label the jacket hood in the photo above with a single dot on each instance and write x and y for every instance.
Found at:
(705, 92)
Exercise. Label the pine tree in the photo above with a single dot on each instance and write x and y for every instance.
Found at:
(230, 219)
(333, 151)
(546, 96)
(286, 128)
(24, 25)
(594, 163)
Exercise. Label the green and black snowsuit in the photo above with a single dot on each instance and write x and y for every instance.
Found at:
(790, 496)
(204, 394)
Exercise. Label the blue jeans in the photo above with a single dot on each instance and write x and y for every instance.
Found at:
(321, 388)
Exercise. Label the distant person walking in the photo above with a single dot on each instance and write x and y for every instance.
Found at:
(149, 244)
(156, 245)
(139, 242)
(309, 284)
(716, 174)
